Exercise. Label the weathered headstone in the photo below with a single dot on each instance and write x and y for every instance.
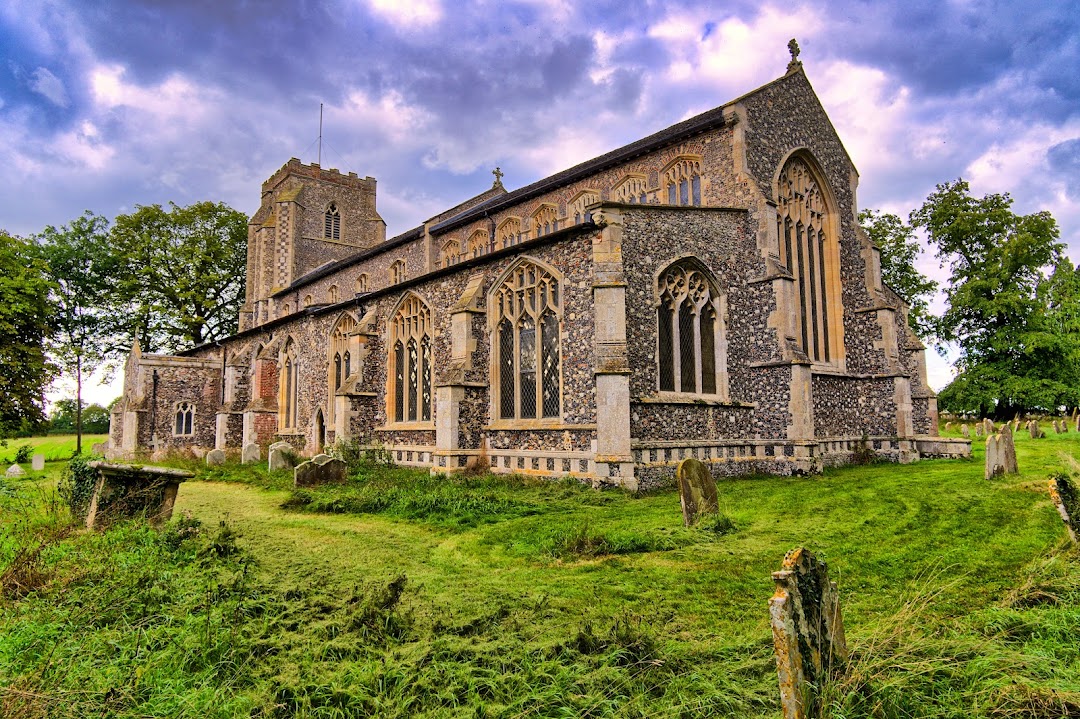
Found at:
(978, 429)
(250, 454)
(1008, 452)
(125, 490)
(1067, 500)
(697, 490)
(99, 448)
(964, 431)
(948, 426)
(37, 462)
(15, 471)
(994, 465)
(1057, 427)
(988, 426)
(1034, 431)
(320, 469)
(215, 458)
(197, 452)
(279, 456)
(808, 633)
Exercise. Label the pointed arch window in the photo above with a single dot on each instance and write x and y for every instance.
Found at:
(410, 362)
(342, 338)
(332, 294)
(546, 219)
(451, 252)
(682, 180)
(508, 233)
(691, 351)
(397, 272)
(812, 255)
(631, 190)
(527, 319)
(184, 425)
(362, 283)
(478, 243)
(582, 200)
(289, 390)
(332, 223)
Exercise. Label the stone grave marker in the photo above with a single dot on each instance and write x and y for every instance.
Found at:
(1076, 426)
(250, 454)
(320, 469)
(279, 456)
(99, 448)
(964, 431)
(126, 490)
(808, 633)
(1000, 455)
(697, 490)
(948, 426)
(988, 426)
(215, 458)
(978, 429)
(15, 471)
(1067, 500)
(1034, 431)
(37, 462)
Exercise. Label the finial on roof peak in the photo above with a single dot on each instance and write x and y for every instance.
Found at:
(498, 178)
(793, 48)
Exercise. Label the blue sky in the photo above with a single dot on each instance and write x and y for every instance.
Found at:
(108, 105)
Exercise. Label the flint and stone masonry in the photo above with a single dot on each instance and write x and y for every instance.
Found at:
(704, 292)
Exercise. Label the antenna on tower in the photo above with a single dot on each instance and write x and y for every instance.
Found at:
(320, 135)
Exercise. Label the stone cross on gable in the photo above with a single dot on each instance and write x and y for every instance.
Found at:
(793, 48)
(498, 176)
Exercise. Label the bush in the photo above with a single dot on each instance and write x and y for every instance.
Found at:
(22, 454)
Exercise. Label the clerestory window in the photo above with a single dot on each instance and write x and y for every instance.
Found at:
(527, 318)
(682, 178)
(410, 362)
(691, 354)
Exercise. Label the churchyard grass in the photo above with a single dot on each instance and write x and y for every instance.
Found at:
(401, 595)
(56, 448)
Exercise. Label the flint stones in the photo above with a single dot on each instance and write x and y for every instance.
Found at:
(279, 456)
(15, 471)
(964, 431)
(321, 469)
(1067, 500)
(1000, 455)
(215, 458)
(808, 633)
(37, 462)
(697, 490)
(250, 454)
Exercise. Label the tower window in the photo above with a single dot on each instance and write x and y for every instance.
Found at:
(332, 226)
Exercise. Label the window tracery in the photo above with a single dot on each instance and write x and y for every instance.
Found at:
(308, 300)
(546, 219)
(332, 223)
(451, 252)
(362, 283)
(289, 389)
(184, 425)
(410, 362)
(508, 233)
(631, 190)
(341, 346)
(397, 272)
(682, 180)
(527, 318)
(332, 294)
(478, 243)
(689, 321)
(582, 200)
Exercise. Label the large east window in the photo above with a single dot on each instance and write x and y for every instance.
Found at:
(410, 362)
(690, 330)
(527, 316)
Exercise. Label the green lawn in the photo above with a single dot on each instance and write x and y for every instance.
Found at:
(56, 448)
(399, 595)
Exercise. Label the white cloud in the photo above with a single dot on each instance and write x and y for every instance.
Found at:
(408, 13)
(49, 86)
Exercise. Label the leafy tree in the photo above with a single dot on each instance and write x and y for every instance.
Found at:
(26, 316)
(899, 250)
(183, 277)
(62, 419)
(1010, 358)
(83, 268)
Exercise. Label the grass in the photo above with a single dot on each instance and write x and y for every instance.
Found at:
(56, 448)
(401, 595)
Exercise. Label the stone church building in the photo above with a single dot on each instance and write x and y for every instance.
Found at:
(705, 291)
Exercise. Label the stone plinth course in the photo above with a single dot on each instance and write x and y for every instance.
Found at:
(129, 490)
(808, 633)
(697, 490)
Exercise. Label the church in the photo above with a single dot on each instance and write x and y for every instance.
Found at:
(705, 292)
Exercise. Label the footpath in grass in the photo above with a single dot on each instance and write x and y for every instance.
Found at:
(404, 595)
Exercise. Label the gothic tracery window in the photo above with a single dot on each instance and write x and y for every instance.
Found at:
(332, 223)
(546, 219)
(451, 252)
(397, 272)
(631, 190)
(508, 232)
(184, 426)
(478, 243)
(802, 216)
(577, 206)
(341, 346)
(332, 294)
(682, 178)
(410, 362)
(362, 283)
(527, 342)
(289, 389)
(689, 322)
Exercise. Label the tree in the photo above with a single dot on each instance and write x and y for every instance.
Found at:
(183, 276)
(1010, 359)
(83, 268)
(25, 324)
(899, 250)
(94, 417)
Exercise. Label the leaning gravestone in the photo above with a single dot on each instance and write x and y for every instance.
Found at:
(1067, 500)
(1034, 431)
(250, 454)
(964, 431)
(37, 462)
(320, 469)
(215, 458)
(15, 471)
(126, 490)
(279, 456)
(697, 490)
(808, 633)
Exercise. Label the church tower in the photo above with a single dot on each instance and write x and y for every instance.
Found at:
(308, 217)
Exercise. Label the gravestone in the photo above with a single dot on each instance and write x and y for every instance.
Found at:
(99, 448)
(1034, 431)
(279, 456)
(1000, 455)
(978, 429)
(1057, 428)
(948, 426)
(215, 458)
(127, 490)
(320, 469)
(37, 462)
(250, 454)
(1076, 426)
(1067, 500)
(15, 471)
(697, 490)
(964, 431)
(1008, 453)
(197, 452)
(988, 426)
(808, 633)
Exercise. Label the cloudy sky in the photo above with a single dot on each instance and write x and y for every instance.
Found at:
(108, 105)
